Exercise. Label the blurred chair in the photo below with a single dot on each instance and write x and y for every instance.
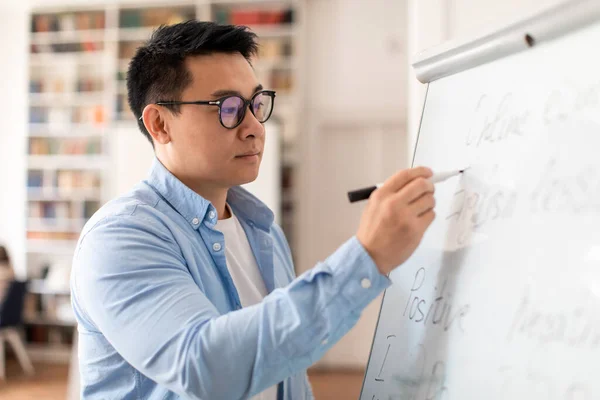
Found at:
(11, 319)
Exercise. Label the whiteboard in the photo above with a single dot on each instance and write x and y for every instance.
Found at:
(502, 298)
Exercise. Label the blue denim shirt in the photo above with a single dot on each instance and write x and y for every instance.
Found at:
(160, 318)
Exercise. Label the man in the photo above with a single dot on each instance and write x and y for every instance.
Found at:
(185, 288)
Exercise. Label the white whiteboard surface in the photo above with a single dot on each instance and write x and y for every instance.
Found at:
(502, 298)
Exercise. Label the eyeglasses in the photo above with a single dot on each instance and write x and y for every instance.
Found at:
(232, 109)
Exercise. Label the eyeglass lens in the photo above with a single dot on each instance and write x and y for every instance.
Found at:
(232, 109)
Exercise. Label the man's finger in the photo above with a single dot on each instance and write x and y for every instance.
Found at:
(402, 178)
(426, 219)
(423, 204)
(414, 190)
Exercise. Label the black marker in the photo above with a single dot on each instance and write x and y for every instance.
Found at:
(364, 193)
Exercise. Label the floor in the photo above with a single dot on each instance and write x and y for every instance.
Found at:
(50, 383)
(339, 385)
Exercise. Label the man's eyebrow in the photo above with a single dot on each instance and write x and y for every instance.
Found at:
(223, 93)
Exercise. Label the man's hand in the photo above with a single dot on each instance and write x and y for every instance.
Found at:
(396, 217)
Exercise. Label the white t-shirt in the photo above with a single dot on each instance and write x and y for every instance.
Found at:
(244, 271)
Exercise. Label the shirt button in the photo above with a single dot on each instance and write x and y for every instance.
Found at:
(365, 283)
(195, 221)
(217, 246)
(211, 215)
(324, 342)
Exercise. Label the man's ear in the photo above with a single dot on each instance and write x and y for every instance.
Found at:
(156, 120)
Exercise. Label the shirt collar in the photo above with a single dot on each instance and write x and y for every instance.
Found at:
(191, 205)
(249, 208)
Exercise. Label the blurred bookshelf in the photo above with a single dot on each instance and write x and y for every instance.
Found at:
(78, 59)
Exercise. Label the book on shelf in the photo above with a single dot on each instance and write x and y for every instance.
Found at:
(245, 16)
(155, 16)
(275, 48)
(68, 21)
(68, 47)
(51, 212)
(39, 235)
(56, 85)
(65, 146)
(93, 114)
(63, 180)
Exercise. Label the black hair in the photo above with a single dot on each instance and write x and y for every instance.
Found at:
(157, 71)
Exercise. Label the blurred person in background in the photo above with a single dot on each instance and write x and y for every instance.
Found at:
(6, 272)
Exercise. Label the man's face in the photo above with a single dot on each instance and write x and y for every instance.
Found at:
(201, 149)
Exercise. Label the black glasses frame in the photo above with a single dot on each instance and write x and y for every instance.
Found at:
(219, 102)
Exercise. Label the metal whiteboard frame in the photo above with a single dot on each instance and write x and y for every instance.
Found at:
(454, 56)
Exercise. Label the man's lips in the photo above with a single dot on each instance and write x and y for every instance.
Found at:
(249, 154)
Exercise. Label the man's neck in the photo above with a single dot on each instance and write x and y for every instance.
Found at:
(216, 195)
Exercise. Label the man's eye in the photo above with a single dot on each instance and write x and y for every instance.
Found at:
(229, 110)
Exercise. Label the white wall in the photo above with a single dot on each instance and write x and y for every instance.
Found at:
(353, 133)
(355, 53)
(132, 157)
(470, 17)
(13, 89)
